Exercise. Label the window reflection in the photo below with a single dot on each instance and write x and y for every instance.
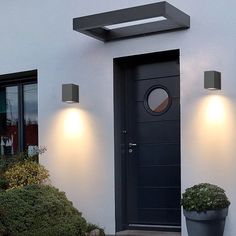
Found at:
(8, 120)
(158, 100)
(30, 116)
(18, 119)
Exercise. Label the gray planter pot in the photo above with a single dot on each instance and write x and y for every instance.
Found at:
(209, 223)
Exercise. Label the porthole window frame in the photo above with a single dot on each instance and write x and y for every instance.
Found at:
(146, 96)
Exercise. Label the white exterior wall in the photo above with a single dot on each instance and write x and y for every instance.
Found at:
(79, 138)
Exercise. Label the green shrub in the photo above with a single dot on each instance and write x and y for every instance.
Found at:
(2, 228)
(39, 211)
(25, 173)
(204, 197)
(6, 162)
(3, 184)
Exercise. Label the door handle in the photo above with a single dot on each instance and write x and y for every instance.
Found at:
(133, 145)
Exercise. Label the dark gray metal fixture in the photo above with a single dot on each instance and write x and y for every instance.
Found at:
(119, 24)
(70, 93)
(212, 80)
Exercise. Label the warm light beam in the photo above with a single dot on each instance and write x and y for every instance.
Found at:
(215, 112)
(211, 130)
(72, 123)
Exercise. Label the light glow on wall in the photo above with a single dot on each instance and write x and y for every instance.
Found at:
(215, 113)
(72, 133)
(209, 140)
(73, 151)
(72, 123)
(211, 130)
(74, 157)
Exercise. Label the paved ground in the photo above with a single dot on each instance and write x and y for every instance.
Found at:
(147, 233)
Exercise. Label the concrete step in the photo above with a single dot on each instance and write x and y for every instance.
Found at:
(147, 233)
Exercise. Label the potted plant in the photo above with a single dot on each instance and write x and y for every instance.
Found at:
(205, 209)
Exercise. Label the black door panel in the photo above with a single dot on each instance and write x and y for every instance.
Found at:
(158, 132)
(153, 197)
(159, 69)
(159, 216)
(159, 154)
(149, 106)
(159, 176)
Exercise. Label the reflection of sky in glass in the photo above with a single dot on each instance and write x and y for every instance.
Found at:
(9, 117)
(12, 104)
(31, 103)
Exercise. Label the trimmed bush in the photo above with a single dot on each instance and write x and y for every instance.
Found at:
(38, 211)
(204, 197)
(2, 227)
(7, 162)
(25, 173)
(3, 184)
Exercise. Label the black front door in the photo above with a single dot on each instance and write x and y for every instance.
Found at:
(149, 109)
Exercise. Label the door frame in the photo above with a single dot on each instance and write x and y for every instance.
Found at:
(120, 67)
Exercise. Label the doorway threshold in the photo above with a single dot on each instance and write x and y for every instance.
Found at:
(147, 233)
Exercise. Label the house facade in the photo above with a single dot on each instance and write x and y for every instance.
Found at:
(144, 121)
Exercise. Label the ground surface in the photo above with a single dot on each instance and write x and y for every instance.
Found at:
(147, 233)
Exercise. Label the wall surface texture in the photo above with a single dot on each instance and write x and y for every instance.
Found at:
(79, 138)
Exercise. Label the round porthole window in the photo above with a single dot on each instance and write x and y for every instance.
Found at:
(157, 100)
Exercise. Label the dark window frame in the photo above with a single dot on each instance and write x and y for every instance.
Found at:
(19, 79)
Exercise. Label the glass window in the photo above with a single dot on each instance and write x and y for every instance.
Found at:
(18, 117)
(9, 120)
(158, 100)
(30, 115)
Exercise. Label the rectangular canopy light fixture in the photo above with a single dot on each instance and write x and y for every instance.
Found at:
(136, 22)
(132, 22)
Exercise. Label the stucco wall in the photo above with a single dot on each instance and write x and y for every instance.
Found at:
(79, 138)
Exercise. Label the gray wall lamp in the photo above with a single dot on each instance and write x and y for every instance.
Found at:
(70, 93)
(119, 24)
(212, 80)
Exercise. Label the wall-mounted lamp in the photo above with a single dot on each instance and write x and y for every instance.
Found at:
(212, 80)
(70, 93)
